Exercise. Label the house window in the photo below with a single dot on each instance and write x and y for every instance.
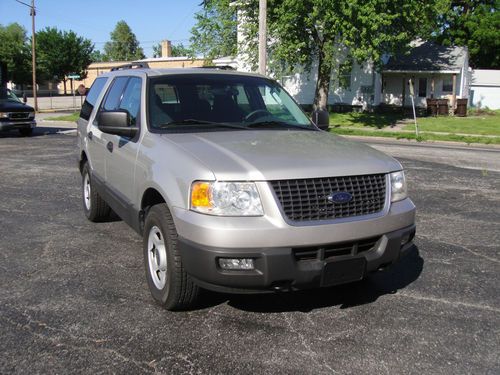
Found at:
(422, 87)
(447, 84)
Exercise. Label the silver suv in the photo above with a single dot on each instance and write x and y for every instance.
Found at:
(233, 188)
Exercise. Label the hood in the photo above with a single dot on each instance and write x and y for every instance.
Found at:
(14, 106)
(263, 155)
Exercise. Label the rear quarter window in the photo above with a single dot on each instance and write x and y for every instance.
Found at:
(90, 100)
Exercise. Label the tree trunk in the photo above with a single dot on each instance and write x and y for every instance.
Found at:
(323, 82)
(64, 86)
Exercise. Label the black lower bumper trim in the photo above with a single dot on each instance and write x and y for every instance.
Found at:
(277, 269)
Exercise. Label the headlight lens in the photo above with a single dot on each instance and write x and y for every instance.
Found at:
(32, 115)
(226, 198)
(398, 186)
(4, 114)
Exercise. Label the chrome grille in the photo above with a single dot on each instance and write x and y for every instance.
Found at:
(308, 199)
(19, 115)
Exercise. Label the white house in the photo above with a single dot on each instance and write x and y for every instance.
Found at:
(432, 71)
(436, 72)
(485, 89)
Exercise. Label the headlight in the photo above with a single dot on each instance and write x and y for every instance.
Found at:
(4, 114)
(32, 115)
(398, 186)
(226, 198)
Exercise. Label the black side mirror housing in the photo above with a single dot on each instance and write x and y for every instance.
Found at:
(321, 119)
(25, 99)
(117, 123)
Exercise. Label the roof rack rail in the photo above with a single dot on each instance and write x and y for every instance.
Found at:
(221, 67)
(131, 66)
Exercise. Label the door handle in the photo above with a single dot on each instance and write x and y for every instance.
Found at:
(109, 146)
(90, 135)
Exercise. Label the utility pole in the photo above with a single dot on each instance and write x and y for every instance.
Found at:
(33, 56)
(262, 36)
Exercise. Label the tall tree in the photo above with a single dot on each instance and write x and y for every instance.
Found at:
(475, 24)
(97, 56)
(215, 32)
(61, 53)
(123, 45)
(330, 32)
(15, 51)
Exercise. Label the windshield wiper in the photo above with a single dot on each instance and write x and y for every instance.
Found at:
(195, 122)
(274, 123)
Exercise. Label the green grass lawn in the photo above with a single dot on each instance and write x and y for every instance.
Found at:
(478, 124)
(364, 119)
(488, 124)
(72, 117)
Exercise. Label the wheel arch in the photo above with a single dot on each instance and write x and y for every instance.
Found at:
(150, 197)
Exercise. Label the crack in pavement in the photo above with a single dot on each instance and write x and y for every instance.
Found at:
(459, 246)
(31, 325)
(447, 302)
(309, 351)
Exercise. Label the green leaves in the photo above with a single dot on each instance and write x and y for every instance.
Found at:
(475, 24)
(333, 32)
(214, 34)
(15, 51)
(60, 53)
(123, 45)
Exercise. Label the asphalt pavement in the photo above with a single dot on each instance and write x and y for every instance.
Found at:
(74, 299)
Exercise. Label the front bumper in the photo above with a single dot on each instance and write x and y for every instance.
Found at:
(281, 268)
(14, 125)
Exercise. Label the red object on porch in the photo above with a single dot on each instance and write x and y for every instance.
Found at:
(461, 110)
(443, 107)
(432, 106)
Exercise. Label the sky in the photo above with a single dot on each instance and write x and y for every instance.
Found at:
(150, 20)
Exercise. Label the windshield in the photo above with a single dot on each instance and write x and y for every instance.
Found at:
(220, 101)
(7, 95)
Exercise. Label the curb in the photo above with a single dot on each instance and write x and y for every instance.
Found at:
(430, 143)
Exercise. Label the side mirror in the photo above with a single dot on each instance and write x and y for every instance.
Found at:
(321, 119)
(117, 123)
(25, 99)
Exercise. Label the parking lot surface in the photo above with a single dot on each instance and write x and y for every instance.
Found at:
(74, 299)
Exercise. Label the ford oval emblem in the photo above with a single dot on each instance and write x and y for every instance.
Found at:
(340, 197)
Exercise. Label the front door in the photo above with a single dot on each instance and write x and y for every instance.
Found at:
(121, 152)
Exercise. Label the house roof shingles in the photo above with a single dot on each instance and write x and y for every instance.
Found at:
(427, 57)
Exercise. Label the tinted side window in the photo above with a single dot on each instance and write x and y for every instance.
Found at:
(131, 100)
(114, 94)
(91, 98)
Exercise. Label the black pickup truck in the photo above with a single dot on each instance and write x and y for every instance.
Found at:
(14, 114)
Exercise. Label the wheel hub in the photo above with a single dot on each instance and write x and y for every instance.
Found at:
(157, 258)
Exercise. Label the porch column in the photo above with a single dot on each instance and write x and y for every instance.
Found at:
(454, 92)
(432, 86)
(404, 91)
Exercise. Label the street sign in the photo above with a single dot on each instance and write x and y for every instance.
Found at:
(73, 76)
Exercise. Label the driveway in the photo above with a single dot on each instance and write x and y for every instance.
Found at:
(74, 299)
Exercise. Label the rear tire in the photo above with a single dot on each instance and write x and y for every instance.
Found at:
(167, 279)
(26, 132)
(95, 208)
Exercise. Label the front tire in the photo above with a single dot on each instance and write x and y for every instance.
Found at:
(168, 282)
(95, 208)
